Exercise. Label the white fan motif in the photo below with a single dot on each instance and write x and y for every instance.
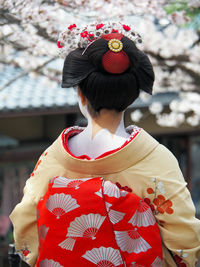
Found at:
(52, 179)
(68, 243)
(85, 226)
(42, 231)
(112, 190)
(108, 205)
(99, 193)
(157, 262)
(59, 204)
(104, 257)
(143, 216)
(123, 193)
(115, 216)
(50, 263)
(60, 182)
(131, 241)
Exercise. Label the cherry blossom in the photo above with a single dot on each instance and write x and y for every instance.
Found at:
(29, 32)
(156, 108)
(172, 119)
(136, 115)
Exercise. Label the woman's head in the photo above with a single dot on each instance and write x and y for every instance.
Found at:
(110, 72)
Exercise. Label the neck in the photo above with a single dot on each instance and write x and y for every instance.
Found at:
(102, 134)
(107, 119)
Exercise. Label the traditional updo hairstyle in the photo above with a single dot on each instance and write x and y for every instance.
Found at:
(109, 79)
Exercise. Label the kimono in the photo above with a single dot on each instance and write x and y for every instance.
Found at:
(141, 169)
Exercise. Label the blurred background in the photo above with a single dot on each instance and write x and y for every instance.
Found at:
(34, 109)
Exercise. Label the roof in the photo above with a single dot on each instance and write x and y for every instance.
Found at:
(31, 96)
(6, 141)
(164, 98)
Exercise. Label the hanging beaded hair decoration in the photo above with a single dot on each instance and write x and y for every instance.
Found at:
(74, 37)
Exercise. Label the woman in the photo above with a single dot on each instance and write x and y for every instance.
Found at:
(105, 173)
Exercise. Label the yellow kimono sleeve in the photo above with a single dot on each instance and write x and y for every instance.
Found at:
(24, 219)
(24, 215)
(171, 201)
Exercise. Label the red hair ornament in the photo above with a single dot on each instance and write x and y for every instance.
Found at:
(115, 61)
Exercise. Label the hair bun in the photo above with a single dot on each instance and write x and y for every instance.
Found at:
(115, 63)
(115, 60)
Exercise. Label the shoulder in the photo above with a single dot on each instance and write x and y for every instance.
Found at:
(161, 154)
(164, 165)
(165, 157)
(166, 153)
(160, 161)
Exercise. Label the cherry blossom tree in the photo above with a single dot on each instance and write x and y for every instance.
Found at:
(170, 30)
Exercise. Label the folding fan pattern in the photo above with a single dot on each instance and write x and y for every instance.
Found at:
(91, 222)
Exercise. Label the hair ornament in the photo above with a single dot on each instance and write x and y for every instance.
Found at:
(80, 37)
(115, 60)
(115, 45)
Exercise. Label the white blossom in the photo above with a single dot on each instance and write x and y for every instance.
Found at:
(156, 108)
(194, 3)
(179, 17)
(136, 115)
(144, 96)
(161, 188)
(193, 120)
(191, 96)
(172, 119)
(180, 106)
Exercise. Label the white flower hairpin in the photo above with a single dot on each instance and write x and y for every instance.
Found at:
(75, 37)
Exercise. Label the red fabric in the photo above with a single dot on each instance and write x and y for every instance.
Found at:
(115, 62)
(90, 222)
(114, 35)
(65, 138)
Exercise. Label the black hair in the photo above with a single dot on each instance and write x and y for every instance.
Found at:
(103, 89)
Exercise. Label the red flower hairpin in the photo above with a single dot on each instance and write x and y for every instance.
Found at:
(75, 37)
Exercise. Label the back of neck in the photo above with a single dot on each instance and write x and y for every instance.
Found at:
(103, 134)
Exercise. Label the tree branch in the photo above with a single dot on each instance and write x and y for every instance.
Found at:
(24, 73)
(11, 19)
(50, 77)
(192, 73)
(4, 13)
(14, 44)
(43, 33)
(179, 58)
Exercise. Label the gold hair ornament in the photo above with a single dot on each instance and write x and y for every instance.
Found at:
(115, 45)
